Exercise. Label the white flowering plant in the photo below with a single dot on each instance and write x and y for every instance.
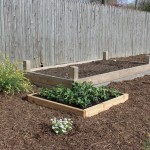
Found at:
(61, 126)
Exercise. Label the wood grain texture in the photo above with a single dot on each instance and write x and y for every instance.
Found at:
(52, 32)
(55, 105)
(47, 80)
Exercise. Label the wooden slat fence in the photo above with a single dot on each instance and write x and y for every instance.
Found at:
(58, 31)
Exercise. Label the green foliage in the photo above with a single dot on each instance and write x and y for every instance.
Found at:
(61, 126)
(146, 144)
(81, 95)
(144, 6)
(12, 80)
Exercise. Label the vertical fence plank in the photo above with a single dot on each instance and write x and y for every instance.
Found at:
(58, 31)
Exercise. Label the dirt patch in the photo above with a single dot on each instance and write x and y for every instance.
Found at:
(97, 67)
(25, 126)
(138, 58)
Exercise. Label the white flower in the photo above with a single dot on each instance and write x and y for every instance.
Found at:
(56, 131)
(65, 119)
(61, 125)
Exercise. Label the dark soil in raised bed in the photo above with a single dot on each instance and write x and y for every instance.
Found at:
(97, 67)
(137, 58)
(26, 126)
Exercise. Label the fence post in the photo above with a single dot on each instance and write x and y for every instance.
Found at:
(26, 65)
(105, 55)
(148, 59)
(74, 72)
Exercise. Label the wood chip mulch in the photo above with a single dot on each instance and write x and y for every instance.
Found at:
(26, 126)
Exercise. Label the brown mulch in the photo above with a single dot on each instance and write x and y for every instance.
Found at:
(97, 67)
(26, 126)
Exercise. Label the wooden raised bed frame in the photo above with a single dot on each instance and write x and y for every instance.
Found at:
(88, 112)
(49, 81)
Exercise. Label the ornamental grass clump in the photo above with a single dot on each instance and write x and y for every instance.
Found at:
(61, 126)
(12, 79)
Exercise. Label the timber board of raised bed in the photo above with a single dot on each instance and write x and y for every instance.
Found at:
(49, 81)
(114, 75)
(88, 112)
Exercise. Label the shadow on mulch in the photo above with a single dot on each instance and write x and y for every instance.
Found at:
(45, 128)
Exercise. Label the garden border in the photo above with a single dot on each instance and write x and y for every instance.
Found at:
(88, 112)
(49, 80)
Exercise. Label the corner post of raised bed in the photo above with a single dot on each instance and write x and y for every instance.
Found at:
(26, 65)
(105, 55)
(148, 59)
(74, 73)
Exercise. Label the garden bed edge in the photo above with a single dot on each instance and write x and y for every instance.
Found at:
(88, 112)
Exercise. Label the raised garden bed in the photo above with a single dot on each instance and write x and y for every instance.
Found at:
(88, 112)
(82, 99)
(98, 72)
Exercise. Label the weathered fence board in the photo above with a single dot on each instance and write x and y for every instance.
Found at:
(53, 32)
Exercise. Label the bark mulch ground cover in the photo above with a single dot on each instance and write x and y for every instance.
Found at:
(25, 126)
(97, 67)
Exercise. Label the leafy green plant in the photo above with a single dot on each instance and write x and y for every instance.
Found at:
(61, 126)
(106, 93)
(12, 80)
(81, 95)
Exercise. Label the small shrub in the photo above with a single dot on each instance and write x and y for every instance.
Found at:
(12, 80)
(61, 126)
